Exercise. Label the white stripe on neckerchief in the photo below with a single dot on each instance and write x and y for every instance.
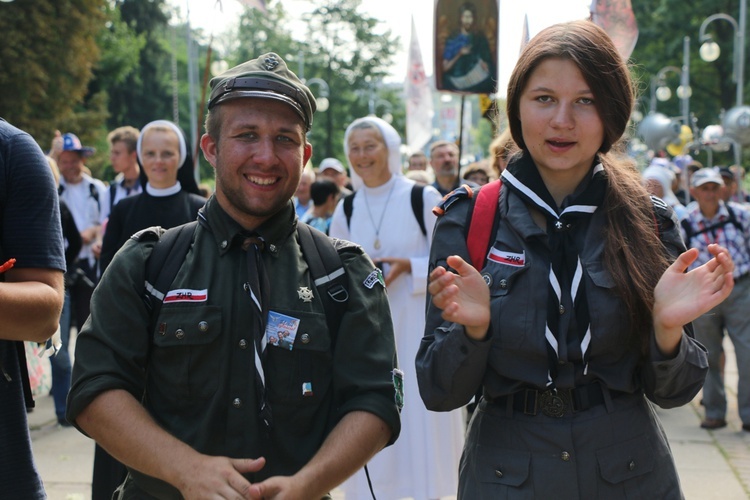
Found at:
(259, 290)
(560, 224)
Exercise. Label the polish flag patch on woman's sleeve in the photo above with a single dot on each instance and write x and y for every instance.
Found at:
(186, 295)
(507, 258)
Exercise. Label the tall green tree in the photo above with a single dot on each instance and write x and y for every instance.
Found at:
(353, 53)
(47, 57)
(144, 94)
(350, 52)
(662, 26)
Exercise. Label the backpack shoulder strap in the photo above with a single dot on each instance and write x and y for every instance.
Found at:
(688, 228)
(732, 219)
(348, 208)
(483, 219)
(163, 264)
(328, 273)
(95, 195)
(112, 195)
(417, 206)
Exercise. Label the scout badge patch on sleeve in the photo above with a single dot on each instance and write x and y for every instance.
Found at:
(281, 330)
(398, 386)
(374, 278)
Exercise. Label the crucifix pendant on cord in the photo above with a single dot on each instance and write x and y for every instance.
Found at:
(377, 243)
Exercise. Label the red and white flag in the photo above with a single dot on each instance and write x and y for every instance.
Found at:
(419, 110)
(617, 19)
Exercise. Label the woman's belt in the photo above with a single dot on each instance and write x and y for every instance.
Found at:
(558, 402)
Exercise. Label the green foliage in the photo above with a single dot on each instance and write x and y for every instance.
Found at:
(342, 47)
(93, 65)
(120, 47)
(662, 26)
(46, 60)
(144, 94)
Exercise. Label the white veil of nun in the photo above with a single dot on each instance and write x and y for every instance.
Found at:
(392, 142)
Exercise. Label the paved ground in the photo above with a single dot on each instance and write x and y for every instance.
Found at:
(713, 465)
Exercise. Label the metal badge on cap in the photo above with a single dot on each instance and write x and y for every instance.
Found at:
(270, 62)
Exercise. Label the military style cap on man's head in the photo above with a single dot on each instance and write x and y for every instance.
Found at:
(266, 77)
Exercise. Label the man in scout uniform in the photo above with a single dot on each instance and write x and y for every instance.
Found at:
(202, 404)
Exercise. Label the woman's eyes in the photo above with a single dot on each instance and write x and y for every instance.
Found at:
(366, 149)
(166, 154)
(547, 98)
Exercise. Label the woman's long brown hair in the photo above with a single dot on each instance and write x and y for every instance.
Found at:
(634, 254)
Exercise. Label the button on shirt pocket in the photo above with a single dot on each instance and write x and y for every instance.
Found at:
(503, 467)
(628, 460)
(181, 358)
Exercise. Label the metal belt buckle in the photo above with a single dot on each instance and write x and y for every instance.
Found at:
(554, 404)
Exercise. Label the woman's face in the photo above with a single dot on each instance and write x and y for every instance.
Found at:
(160, 155)
(368, 155)
(559, 121)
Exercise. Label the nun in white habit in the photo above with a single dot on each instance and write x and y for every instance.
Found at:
(423, 463)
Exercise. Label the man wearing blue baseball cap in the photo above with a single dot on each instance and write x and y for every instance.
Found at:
(86, 199)
(256, 378)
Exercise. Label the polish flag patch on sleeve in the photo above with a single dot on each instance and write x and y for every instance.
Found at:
(507, 258)
(186, 295)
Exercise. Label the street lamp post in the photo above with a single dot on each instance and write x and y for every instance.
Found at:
(684, 91)
(324, 92)
(710, 50)
(662, 92)
(737, 119)
(373, 105)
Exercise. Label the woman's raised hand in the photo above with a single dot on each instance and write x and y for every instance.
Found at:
(681, 297)
(463, 297)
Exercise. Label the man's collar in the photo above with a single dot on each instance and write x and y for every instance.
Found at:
(225, 229)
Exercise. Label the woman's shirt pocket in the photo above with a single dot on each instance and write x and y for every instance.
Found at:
(510, 296)
(607, 313)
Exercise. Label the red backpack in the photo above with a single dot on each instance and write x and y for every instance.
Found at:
(482, 222)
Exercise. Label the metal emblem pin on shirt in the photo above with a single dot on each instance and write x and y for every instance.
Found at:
(305, 294)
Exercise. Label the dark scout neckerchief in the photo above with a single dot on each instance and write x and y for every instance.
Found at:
(566, 273)
(258, 289)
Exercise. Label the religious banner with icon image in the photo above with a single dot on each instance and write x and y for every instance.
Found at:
(466, 34)
(617, 19)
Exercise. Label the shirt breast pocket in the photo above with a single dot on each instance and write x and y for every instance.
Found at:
(299, 380)
(184, 355)
(607, 313)
(509, 303)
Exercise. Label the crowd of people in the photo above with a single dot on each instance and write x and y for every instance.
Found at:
(304, 328)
